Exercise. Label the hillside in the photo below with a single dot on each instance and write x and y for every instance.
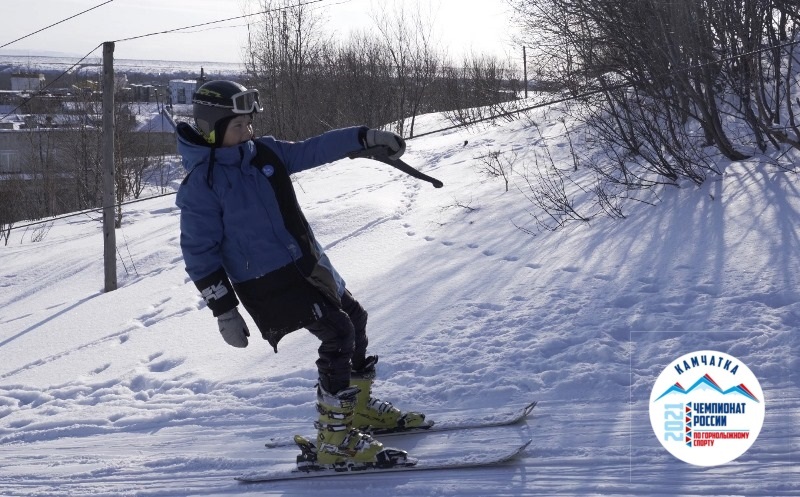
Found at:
(133, 392)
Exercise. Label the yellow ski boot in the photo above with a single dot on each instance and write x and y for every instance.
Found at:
(341, 446)
(377, 416)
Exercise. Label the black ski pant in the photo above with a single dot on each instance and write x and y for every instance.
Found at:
(343, 333)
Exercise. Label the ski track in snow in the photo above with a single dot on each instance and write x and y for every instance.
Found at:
(133, 392)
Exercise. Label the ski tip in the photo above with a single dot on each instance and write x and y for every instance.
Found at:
(520, 450)
(527, 410)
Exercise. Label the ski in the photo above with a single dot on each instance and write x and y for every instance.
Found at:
(446, 421)
(472, 460)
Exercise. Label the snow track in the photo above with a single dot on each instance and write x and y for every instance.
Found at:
(133, 392)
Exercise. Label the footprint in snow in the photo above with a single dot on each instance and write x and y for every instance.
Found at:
(149, 318)
(165, 365)
(484, 308)
(706, 288)
(624, 301)
(101, 368)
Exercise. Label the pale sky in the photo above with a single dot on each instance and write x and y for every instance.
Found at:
(461, 26)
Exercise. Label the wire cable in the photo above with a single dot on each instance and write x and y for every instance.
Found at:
(55, 24)
(278, 9)
(448, 128)
(48, 85)
(87, 211)
(440, 130)
(605, 89)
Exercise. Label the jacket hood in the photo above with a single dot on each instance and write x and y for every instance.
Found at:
(196, 151)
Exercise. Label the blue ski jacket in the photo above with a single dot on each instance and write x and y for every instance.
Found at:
(233, 221)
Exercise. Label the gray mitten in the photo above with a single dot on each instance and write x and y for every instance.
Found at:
(396, 144)
(233, 328)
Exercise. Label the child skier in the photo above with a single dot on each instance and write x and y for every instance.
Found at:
(244, 235)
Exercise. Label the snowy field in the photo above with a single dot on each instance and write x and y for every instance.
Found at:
(133, 392)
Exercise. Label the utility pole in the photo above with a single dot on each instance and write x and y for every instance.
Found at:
(525, 70)
(109, 233)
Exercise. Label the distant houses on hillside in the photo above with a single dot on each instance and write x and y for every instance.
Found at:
(181, 91)
(51, 135)
(30, 108)
(27, 82)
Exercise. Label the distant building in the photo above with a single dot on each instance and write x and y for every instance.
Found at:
(143, 93)
(27, 82)
(9, 153)
(181, 91)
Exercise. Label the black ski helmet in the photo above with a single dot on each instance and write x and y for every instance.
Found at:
(217, 102)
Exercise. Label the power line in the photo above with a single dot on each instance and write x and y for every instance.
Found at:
(440, 130)
(48, 85)
(56, 23)
(462, 125)
(278, 9)
(605, 89)
(87, 211)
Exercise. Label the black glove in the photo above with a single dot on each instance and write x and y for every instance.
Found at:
(376, 137)
(233, 328)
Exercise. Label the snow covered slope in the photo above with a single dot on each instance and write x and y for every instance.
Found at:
(133, 392)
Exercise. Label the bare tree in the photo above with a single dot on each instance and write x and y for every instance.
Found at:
(79, 146)
(408, 38)
(360, 74)
(384, 77)
(282, 53)
(482, 89)
(666, 87)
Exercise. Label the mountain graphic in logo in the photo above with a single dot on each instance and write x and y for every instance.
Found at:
(707, 381)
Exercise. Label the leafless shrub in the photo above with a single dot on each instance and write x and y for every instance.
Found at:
(39, 231)
(498, 164)
(546, 189)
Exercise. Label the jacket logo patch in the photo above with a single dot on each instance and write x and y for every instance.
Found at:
(214, 292)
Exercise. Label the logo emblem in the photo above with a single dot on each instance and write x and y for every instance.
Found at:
(707, 408)
(214, 292)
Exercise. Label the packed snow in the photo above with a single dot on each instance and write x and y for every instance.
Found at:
(133, 392)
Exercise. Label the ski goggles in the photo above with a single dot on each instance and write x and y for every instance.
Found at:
(246, 102)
